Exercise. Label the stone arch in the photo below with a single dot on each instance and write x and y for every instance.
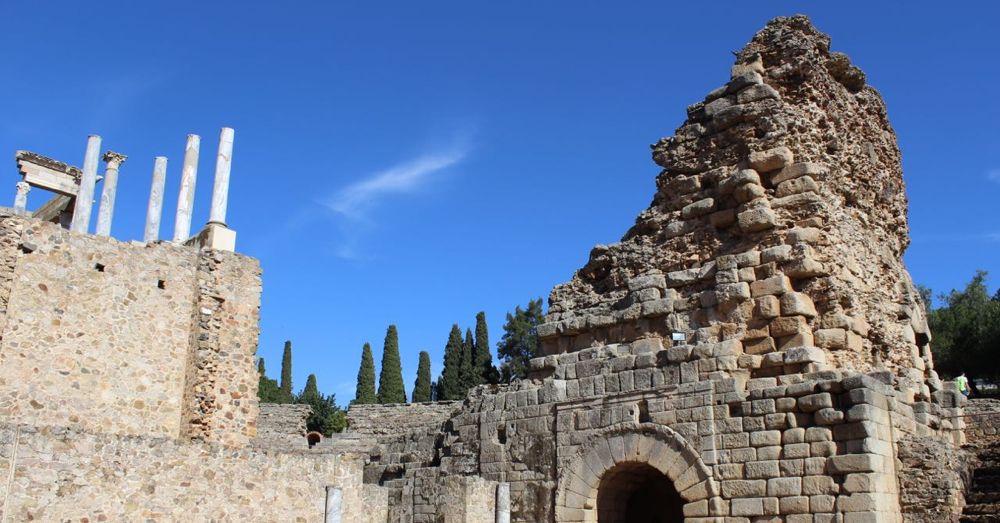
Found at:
(645, 449)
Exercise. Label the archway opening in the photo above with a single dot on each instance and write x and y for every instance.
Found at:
(638, 493)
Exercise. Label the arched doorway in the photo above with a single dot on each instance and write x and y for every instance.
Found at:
(635, 492)
(642, 473)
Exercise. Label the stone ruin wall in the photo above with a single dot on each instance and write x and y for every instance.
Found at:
(393, 419)
(774, 243)
(282, 426)
(779, 221)
(152, 340)
(129, 388)
(64, 474)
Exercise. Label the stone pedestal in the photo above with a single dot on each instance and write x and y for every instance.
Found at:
(214, 236)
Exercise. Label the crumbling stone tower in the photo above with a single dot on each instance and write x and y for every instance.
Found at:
(752, 350)
(778, 227)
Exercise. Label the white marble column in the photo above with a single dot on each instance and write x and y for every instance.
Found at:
(334, 504)
(185, 199)
(114, 162)
(223, 165)
(155, 209)
(85, 195)
(21, 198)
(503, 503)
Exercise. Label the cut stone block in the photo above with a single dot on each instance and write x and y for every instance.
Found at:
(788, 326)
(773, 286)
(771, 159)
(756, 219)
(698, 208)
(797, 303)
(796, 186)
(795, 170)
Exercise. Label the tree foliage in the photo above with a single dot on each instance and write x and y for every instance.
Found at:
(326, 417)
(467, 371)
(484, 360)
(286, 374)
(422, 387)
(390, 382)
(966, 331)
(449, 386)
(365, 394)
(520, 340)
(267, 388)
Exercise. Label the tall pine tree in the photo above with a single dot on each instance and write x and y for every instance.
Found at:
(365, 394)
(449, 385)
(390, 380)
(484, 360)
(286, 374)
(469, 376)
(422, 387)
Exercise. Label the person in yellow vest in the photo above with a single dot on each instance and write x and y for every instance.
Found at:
(963, 384)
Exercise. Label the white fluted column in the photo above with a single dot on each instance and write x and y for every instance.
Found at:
(21, 198)
(223, 166)
(113, 162)
(185, 199)
(85, 194)
(154, 211)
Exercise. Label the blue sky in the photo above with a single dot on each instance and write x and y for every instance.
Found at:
(416, 162)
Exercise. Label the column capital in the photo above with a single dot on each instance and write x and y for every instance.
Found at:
(114, 159)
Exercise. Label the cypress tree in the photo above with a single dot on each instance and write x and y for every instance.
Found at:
(484, 360)
(311, 390)
(286, 374)
(366, 378)
(468, 369)
(267, 389)
(422, 387)
(390, 380)
(449, 385)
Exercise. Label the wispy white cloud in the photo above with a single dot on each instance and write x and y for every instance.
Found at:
(355, 205)
(357, 199)
(993, 175)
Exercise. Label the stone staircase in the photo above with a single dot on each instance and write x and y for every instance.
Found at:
(983, 499)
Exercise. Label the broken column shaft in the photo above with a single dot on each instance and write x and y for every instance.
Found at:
(185, 199)
(223, 166)
(21, 198)
(155, 209)
(106, 212)
(85, 193)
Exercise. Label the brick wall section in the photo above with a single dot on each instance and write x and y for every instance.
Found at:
(69, 475)
(220, 400)
(282, 426)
